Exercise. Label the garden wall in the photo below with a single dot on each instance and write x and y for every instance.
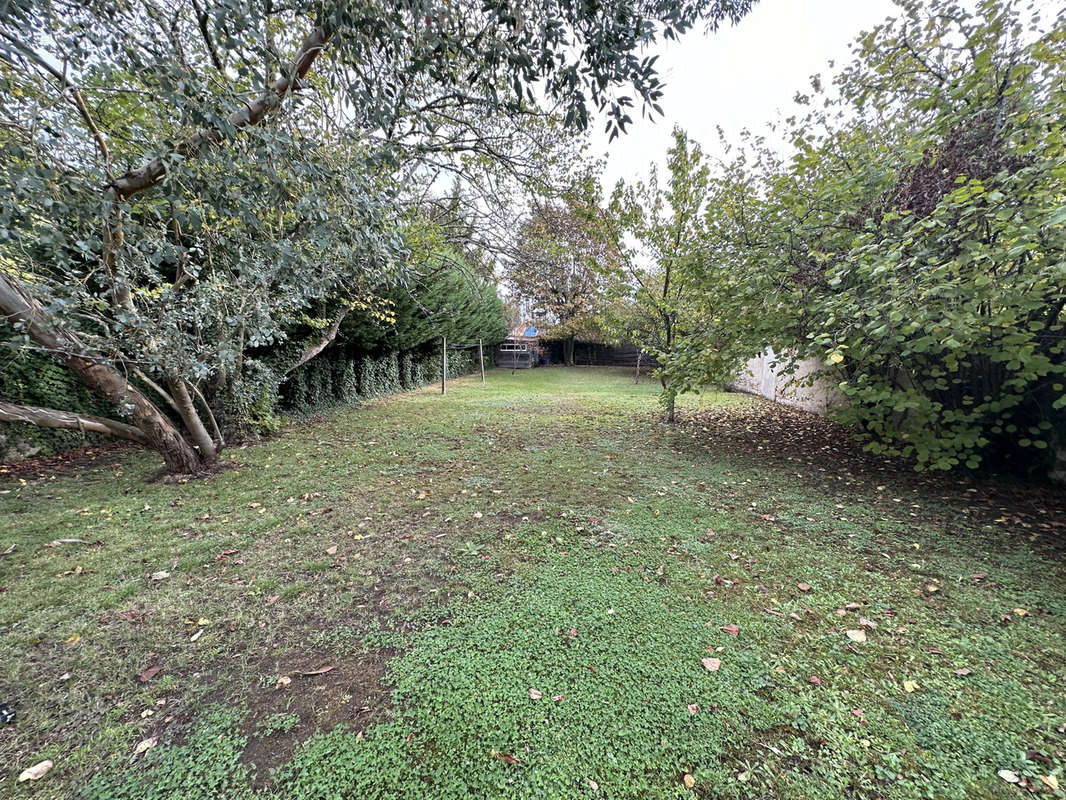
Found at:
(807, 387)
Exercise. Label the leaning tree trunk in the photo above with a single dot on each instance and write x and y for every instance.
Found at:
(17, 305)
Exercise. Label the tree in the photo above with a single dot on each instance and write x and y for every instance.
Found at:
(148, 247)
(658, 297)
(561, 256)
(915, 242)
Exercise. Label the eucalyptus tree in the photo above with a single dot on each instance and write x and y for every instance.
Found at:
(182, 181)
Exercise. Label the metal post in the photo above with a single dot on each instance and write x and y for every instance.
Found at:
(481, 358)
(444, 365)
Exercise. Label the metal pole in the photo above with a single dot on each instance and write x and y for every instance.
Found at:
(444, 365)
(481, 358)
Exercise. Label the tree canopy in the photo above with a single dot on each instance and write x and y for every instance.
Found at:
(187, 184)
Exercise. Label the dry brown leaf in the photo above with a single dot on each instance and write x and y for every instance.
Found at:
(147, 744)
(712, 664)
(331, 550)
(593, 785)
(149, 673)
(731, 629)
(693, 709)
(37, 771)
(857, 635)
(803, 587)
(535, 695)
(963, 671)
(689, 781)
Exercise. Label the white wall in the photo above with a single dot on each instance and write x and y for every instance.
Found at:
(805, 388)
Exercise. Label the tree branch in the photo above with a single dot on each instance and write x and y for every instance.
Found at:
(150, 174)
(53, 418)
(319, 345)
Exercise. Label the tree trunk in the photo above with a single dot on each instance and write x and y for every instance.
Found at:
(669, 401)
(193, 424)
(17, 305)
(568, 352)
(54, 418)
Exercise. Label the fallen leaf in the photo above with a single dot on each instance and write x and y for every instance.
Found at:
(558, 698)
(506, 758)
(815, 680)
(689, 781)
(197, 635)
(162, 575)
(273, 599)
(149, 673)
(1009, 776)
(1050, 781)
(147, 744)
(963, 671)
(319, 671)
(593, 785)
(857, 635)
(712, 664)
(283, 681)
(803, 587)
(332, 549)
(534, 694)
(1021, 612)
(731, 629)
(693, 709)
(37, 771)
(573, 633)
(910, 686)
(853, 606)
(867, 623)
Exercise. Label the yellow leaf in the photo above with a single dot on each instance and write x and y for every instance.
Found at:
(910, 686)
(1021, 612)
(689, 781)
(1050, 781)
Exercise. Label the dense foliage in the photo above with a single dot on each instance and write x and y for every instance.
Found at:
(915, 241)
(186, 187)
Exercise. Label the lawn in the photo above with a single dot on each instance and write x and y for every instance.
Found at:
(532, 588)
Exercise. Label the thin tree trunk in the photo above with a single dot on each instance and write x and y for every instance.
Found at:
(568, 352)
(17, 305)
(193, 424)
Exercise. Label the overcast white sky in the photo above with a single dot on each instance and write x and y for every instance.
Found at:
(740, 77)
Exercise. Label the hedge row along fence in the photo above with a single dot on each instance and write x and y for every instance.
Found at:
(338, 378)
(334, 378)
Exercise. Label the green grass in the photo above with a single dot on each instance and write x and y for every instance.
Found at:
(543, 531)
